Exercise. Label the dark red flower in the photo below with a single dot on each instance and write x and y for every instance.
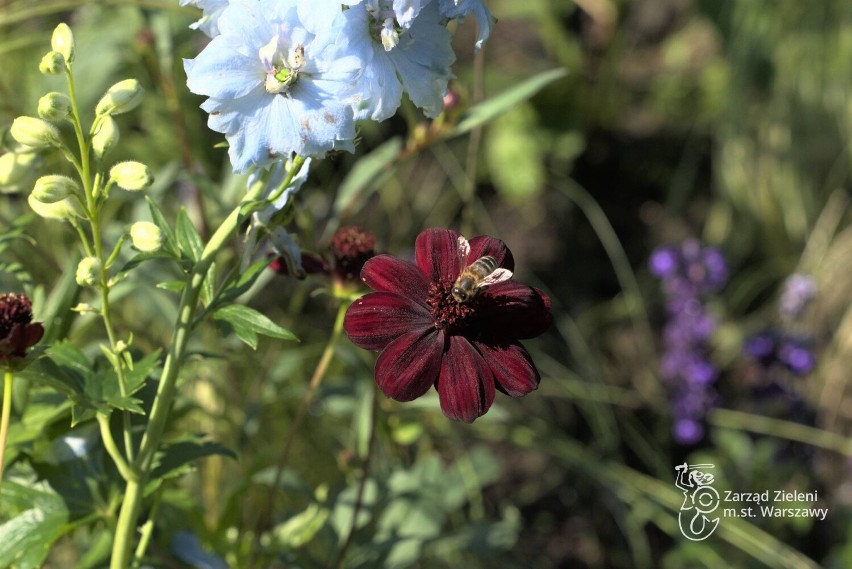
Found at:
(351, 248)
(17, 332)
(427, 337)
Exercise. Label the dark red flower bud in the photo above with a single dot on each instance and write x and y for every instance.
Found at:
(17, 331)
(351, 247)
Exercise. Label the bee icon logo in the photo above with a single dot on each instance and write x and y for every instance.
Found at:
(700, 499)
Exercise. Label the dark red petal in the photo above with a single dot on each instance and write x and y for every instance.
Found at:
(466, 385)
(483, 245)
(390, 274)
(513, 310)
(410, 365)
(512, 366)
(33, 334)
(378, 318)
(436, 253)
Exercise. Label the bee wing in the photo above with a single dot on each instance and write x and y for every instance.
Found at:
(463, 250)
(498, 276)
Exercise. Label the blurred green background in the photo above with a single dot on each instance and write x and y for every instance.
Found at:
(730, 121)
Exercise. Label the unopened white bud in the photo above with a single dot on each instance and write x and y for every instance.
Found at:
(34, 132)
(131, 176)
(106, 137)
(53, 188)
(63, 209)
(62, 41)
(54, 106)
(88, 271)
(52, 63)
(122, 97)
(146, 236)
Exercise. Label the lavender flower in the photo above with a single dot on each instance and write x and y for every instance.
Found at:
(776, 350)
(688, 271)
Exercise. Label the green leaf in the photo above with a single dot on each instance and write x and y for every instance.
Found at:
(244, 281)
(366, 176)
(247, 323)
(26, 539)
(188, 240)
(208, 286)
(169, 243)
(489, 109)
(175, 457)
(173, 286)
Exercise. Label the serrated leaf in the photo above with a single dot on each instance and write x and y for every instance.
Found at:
(25, 540)
(188, 240)
(247, 323)
(169, 243)
(366, 176)
(175, 457)
(489, 109)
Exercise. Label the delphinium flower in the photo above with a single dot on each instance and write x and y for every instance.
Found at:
(209, 21)
(688, 272)
(275, 88)
(18, 332)
(433, 331)
(457, 9)
(414, 58)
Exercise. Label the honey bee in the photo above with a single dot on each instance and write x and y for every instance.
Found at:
(476, 276)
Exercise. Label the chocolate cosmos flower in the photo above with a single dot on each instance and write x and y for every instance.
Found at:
(17, 332)
(427, 337)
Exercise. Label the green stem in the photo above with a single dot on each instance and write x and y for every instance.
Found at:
(4, 419)
(127, 472)
(134, 492)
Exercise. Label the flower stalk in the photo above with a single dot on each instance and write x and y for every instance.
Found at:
(134, 492)
(4, 417)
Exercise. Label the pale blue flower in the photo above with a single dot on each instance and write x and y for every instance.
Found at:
(274, 87)
(212, 9)
(416, 60)
(457, 9)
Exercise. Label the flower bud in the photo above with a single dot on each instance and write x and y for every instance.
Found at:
(131, 176)
(146, 236)
(63, 209)
(54, 188)
(106, 137)
(52, 63)
(88, 271)
(54, 107)
(14, 168)
(34, 132)
(122, 97)
(62, 41)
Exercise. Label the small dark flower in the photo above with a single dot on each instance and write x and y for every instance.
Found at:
(427, 337)
(351, 248)
(17, 331)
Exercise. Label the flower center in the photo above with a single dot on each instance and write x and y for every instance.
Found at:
(281, 72)
(448, 313)
(14, 309)
(383, 27)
